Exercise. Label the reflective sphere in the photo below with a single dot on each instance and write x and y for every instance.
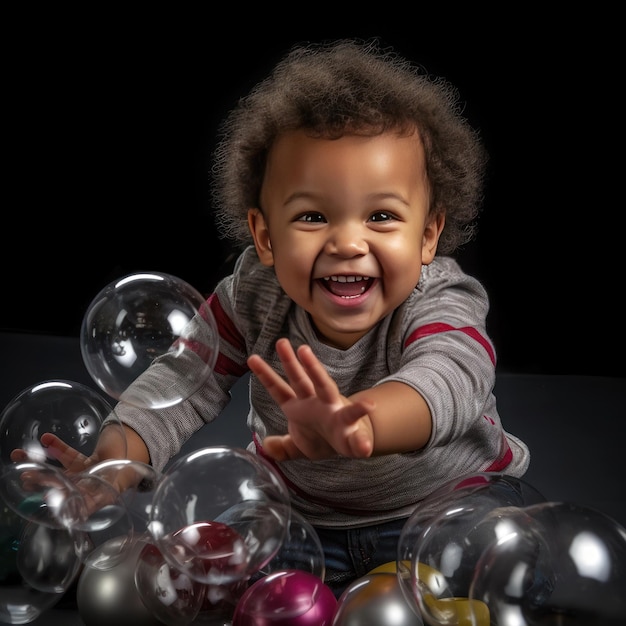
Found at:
(116, 515)
(48, 558)
(42, 494)
(219, 514)
(375, 600)
(168, 594)
(109, 596)
(20, 602)
(448, 532)
(555, 563)
(37, 486)
(69, 410)
(301, 549)
(146, 320)
(286, 598)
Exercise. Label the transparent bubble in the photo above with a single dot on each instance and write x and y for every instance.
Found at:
(118, 496)
(38, 486)
(20, 602)
(87, 509)
(444, 538)
(446, 558)
(374, 600)
(559, 563)
(219, 514)
(301, 549)
(169, 594)
(42, 494)
(177, 599)
(48, 559)
(220, 602)
(107, 518)
(136, 483)
(286, 598)
(149, 321)
(73, 412)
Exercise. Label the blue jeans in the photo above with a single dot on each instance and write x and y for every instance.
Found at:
(351, 553)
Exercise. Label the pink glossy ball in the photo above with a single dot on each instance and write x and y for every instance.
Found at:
(286, 598)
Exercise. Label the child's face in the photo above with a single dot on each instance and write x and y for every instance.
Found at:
(353, 209)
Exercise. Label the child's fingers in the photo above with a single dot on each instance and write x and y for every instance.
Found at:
(296, 374)
(70, 459)
(19, 455)
(361, 444)
(279, 390)
(323, 385)
(281, 448)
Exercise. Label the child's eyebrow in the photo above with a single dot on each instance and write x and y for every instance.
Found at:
(376, 195)
(302, 195)
(387, 195)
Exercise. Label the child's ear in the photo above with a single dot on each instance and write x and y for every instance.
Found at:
(430, 239)
(261, 235)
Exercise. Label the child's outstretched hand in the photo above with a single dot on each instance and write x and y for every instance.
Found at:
(72, 460)
(112, 444)
(321, 422)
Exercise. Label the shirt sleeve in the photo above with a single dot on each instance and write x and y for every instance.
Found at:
(444, 351)
(165, 430)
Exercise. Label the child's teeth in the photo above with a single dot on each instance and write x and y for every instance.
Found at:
(345, 279)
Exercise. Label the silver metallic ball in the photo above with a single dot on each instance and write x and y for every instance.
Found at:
(109, 597)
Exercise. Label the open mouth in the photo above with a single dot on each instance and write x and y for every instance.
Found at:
(347, 286)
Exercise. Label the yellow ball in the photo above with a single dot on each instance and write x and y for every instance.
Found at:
(451, 611)
(374, 600)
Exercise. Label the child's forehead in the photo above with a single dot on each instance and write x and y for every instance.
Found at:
(364, 163)
(300, 152)
(304, 138)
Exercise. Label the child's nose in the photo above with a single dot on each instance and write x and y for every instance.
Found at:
(347, 241)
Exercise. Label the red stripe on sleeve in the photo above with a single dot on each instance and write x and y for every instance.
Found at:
(500, 464)
(227, 366)
(229, 333)
(227, 329)
(439, 327)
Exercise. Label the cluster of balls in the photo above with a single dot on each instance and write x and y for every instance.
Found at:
(213, 539)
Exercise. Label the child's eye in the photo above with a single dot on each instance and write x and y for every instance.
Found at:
(381, 216)
(311, 217)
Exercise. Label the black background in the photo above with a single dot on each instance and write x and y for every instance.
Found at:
(112, 120)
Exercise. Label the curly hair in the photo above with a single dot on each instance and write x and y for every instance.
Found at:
(348, 86)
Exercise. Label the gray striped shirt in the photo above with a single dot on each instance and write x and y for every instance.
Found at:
(435, 342)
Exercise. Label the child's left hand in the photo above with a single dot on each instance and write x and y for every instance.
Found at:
(322, 423)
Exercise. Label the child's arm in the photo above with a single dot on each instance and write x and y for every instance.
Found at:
(322, 423)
